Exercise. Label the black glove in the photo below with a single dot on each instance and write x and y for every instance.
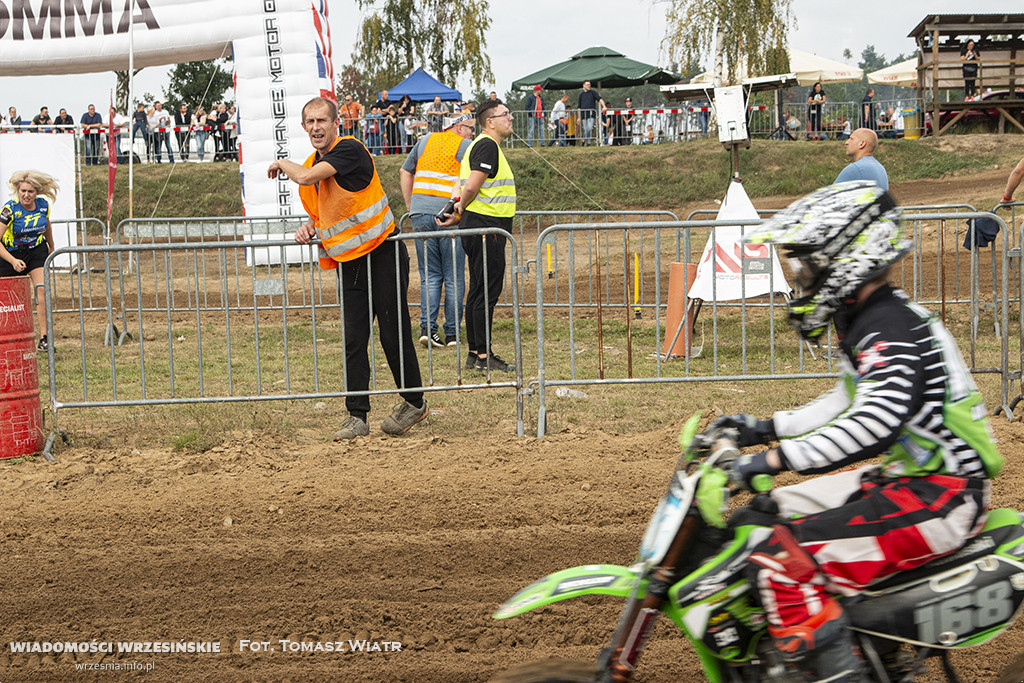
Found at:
(747, 467)
(752, 432)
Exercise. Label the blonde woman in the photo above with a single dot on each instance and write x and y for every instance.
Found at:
(27, 238)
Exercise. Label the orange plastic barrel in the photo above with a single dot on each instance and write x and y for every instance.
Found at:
(21, 414)
(679, 274)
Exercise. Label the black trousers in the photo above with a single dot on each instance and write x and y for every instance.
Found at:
(481, 249)
(183, 138)
(376, 285)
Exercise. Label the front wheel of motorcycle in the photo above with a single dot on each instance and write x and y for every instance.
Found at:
(549, 671)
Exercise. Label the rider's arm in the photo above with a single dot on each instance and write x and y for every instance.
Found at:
(888, 391)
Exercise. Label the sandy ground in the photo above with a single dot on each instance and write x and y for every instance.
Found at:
(403, 545)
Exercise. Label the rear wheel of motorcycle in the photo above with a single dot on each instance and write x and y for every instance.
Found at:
(549, 671)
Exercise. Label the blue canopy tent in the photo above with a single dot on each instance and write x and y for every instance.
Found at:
(422, 87)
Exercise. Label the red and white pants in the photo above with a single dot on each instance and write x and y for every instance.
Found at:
(861, 528)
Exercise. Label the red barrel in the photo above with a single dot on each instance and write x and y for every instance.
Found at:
(21, 415)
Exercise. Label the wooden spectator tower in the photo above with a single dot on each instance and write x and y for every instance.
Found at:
(999, 37)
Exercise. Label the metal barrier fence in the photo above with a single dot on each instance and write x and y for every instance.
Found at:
(229, 315)
(233, 333)
(627, 345)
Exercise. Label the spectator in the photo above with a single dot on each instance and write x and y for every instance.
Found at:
(560, 117)
(63, 123)
(1016, 175)
(199, 123)
(374, 123)
(860, 147)
(402, 112)
(649, 137)
(42, 120)
(792, 125)
(12, 117)
(492, 96)
(535, 116)
(624, 133)
(414, 126)
(232, 125)
(151, 126)
(590, 104)
(867, 110)
(703, 116)
(91, 122)
(340, 190)
(435, 114)
(182, 121)
(120, 122)
(887, 123)
(815, 101)
(27, 238)
(160, 134)
(223, 136)
(846, 128)
(351, 116)
(391, 141)
(428, 178)
(383, 103)
(969, 55)
(488, 201)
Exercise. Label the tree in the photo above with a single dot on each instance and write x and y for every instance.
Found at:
(121, 90)
(352, 82)
(196, 83)
(446, 37)
(750, 31)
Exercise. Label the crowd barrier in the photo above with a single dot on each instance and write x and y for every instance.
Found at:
(216, 318)
(146, 148)
(207, 328)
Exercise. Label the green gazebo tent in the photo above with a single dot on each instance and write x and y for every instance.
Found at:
(602, 66)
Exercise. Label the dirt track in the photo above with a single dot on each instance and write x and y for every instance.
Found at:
(414, 540)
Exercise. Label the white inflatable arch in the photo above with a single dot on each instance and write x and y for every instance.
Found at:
(281, 51)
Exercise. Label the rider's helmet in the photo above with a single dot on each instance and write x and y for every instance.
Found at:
(836, 240)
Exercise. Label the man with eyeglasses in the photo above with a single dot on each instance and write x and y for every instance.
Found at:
(488, 200)
(351, 112)
(428, 177)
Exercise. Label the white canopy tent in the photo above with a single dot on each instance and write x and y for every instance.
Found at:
(902, 74)
(808, 68)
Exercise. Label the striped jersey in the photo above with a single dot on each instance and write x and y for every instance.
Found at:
(905, 391)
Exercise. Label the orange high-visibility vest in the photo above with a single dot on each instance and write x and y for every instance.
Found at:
(349, 224)
(437, 169)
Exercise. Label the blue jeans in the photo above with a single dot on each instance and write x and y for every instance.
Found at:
(588, 127)
(437, 268)
(201, 144)
(91, 143)
(532, 123)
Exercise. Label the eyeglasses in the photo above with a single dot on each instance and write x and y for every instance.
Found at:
(507, 114)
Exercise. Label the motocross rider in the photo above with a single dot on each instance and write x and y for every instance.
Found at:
(905, 393)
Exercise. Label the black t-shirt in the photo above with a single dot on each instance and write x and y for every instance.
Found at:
(969, 67)
(815, 106)
(353, 165)
(484, 157)
(587, 103)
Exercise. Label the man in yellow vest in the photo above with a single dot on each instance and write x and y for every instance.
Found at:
(428, 178)
(488, 200)
(349, 212)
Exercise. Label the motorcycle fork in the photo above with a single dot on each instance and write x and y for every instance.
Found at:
(639, 617)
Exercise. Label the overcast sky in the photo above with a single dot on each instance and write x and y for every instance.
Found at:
(528, 35)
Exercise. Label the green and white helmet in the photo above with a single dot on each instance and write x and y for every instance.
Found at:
(835, 239)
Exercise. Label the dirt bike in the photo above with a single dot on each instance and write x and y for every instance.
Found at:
(691, 567)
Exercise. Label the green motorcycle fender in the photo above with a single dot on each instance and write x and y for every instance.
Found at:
(591, 579)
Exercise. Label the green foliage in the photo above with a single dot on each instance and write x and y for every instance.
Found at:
(353, 82)
(196, 83)
(444, 37)
(754, 31)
